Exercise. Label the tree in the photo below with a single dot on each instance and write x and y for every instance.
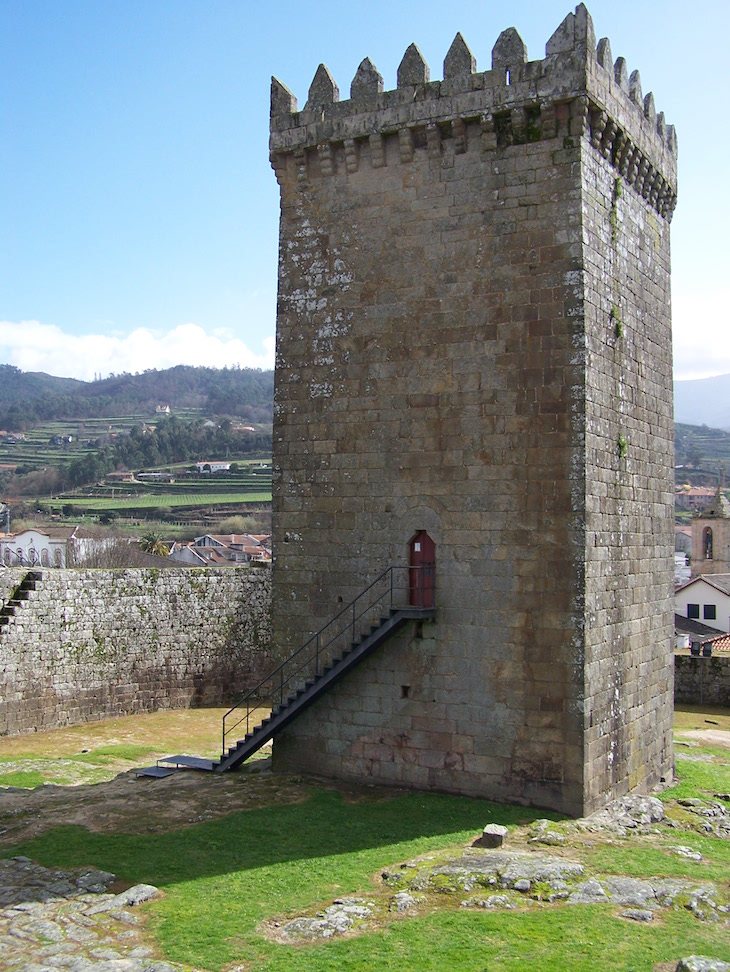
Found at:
(110, 552)
(152, 543)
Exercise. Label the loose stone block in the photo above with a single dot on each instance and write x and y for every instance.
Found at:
(493, 835)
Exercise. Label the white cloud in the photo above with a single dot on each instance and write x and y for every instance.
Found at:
(33, 346)
(700, 321)
(701, 324)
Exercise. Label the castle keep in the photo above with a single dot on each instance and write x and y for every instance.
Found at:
(474, 348)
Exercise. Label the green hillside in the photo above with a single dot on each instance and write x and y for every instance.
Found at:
(701, 454)
(26, 399)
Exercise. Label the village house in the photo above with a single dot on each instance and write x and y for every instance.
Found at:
(225, 550)
(694, 497)
(706, 600)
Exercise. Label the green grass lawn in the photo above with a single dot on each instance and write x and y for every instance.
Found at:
(227, 879)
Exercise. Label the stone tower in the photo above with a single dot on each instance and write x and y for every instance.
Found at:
(474, 340)
(711, 538)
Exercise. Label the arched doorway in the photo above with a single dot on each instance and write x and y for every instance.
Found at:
(422, 573)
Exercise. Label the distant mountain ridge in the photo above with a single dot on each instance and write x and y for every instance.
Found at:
(703, 401)
(17, 385)
(28, 397)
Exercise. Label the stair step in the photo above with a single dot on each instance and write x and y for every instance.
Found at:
(189, 762)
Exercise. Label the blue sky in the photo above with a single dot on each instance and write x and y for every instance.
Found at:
(138, 211)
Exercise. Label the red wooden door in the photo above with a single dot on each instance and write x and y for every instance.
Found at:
(422, 563)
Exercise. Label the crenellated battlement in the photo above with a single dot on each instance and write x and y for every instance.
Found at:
(576, 91)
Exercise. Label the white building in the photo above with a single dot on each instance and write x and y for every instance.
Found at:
(214, 467)
(706, 599)
(33, 548)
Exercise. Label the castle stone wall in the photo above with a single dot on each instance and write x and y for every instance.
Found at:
(89, 644)
(702, 681)
(10, 577)
(449, 359)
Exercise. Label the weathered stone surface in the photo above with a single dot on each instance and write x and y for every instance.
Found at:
(517, 876)
(127, 899)
(367, 83)
(575, 33)
(700, 963)
(405, 901)
(589, 892)
(323, 89)
(503, 868)
(491, 903)
(459, 61)
(338, 918)
(48, 922)
(546, 832)
(714, 816)
(282, 100)
(510, 51)
(638, 914)
(626, 813)
(413, 68)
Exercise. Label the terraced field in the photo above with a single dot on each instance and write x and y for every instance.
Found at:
(37, 449)
(247, 488)
(149, 501)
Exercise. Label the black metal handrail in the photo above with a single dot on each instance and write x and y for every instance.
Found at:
(397, 587)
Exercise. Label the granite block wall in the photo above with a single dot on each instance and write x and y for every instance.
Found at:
(702, 681)
(88, 644)
(473, 339)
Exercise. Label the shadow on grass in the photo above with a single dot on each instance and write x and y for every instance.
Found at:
(323, 826)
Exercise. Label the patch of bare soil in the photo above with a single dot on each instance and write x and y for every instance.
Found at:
(141, 805)
(710, 737)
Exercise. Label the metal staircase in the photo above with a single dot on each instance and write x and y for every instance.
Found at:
(18, 597)
(395, 597)
(398, 595)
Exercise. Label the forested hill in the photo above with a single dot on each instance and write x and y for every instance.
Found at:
(29, 397)
(17, 385)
